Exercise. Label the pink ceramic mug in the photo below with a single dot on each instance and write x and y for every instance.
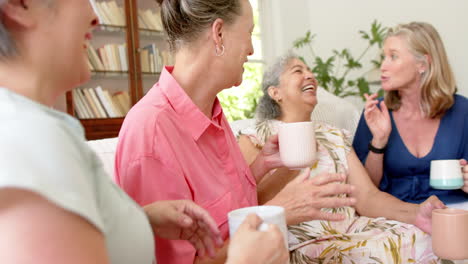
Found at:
(450, 233)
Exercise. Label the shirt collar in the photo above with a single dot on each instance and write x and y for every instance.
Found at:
(190, 115)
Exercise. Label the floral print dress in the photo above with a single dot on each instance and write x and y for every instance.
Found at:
(358, 239)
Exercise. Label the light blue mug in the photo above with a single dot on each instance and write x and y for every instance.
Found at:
(446, 175)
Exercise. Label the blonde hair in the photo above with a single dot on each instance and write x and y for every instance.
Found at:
(438, 81)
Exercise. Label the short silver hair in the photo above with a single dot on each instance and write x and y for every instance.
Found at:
(7, 43)
(268, 108)
(8, 47)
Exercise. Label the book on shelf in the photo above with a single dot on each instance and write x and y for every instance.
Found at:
(149, 19)
(110, 57)
(88, 113)
(112, 60)
(94, 59)
(101, 112)
(144, 54)
(78, 104)
(107, 105)
(97, 11)
(115, 109)
(90, 102)
(123, 100)
(109, 13)
(116, 13)
(123, 57)
(153, 59)
(99, 103)
(90, 66)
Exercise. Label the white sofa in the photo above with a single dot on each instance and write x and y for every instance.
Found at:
(330, 109)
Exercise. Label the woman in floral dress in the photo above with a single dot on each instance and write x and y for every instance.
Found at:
(380, 228)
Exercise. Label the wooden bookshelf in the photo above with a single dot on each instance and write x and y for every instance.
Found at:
(137, 36)
(102, 128)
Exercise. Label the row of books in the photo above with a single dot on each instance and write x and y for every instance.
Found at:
(110, 57)
(153, 59)
(149, 19)
(109, 13)
(100, 103)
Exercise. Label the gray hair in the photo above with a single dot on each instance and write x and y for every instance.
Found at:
(184, 20)
(7, 44)
(8, 48)
(268, 108)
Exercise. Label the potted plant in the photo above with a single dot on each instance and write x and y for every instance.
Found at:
(333, 73)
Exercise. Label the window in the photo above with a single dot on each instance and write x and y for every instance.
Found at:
(240, 102)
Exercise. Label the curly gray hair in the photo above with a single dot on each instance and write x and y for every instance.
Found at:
(268, 108)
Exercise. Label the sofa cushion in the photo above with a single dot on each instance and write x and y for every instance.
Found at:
(105, 149)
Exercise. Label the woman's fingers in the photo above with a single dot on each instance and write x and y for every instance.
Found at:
(371, 97)
(331, 189)
(207, 243)
(199, 214)
(325, 178)
(198, 244)
(370, 104)
(384, 109)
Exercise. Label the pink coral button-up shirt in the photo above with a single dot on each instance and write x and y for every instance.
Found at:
(168, 150)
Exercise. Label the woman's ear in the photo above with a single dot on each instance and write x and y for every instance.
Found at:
(18, 12)
(424, 67)
(273, 92)
(217, 31)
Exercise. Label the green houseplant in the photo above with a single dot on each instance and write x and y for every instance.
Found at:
(333, 73)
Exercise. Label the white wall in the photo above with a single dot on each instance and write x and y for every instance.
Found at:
(337, 22)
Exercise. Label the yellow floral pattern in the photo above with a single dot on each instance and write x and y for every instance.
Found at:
(357, 239)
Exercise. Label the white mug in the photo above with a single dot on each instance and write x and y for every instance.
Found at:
(268, 213)
(446, 174)
(297, 145)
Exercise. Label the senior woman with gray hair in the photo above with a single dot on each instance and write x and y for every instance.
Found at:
(290, 95)
(56, 203)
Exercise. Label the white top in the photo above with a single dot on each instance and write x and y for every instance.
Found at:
(44, 151)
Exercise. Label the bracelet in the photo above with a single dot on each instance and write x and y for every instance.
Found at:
(376, 150)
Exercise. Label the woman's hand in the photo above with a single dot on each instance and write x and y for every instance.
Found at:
(268, 159)
(270, 153)
(248, 245)
(303, 198)
(424, 215)
(378, 120)
(464, 165)
(184, 220)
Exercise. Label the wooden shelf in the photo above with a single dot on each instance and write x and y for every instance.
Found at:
(130, 34)
(150, 33)
(103, 28)
(109, 74)
(102, 127)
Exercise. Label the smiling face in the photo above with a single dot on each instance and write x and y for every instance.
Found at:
(238, 44)
(297, 90)
(67, 26)
(400, 69)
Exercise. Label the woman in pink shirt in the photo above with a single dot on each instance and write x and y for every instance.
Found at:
(176, 143)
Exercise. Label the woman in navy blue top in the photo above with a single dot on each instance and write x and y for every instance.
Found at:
(421, 119)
